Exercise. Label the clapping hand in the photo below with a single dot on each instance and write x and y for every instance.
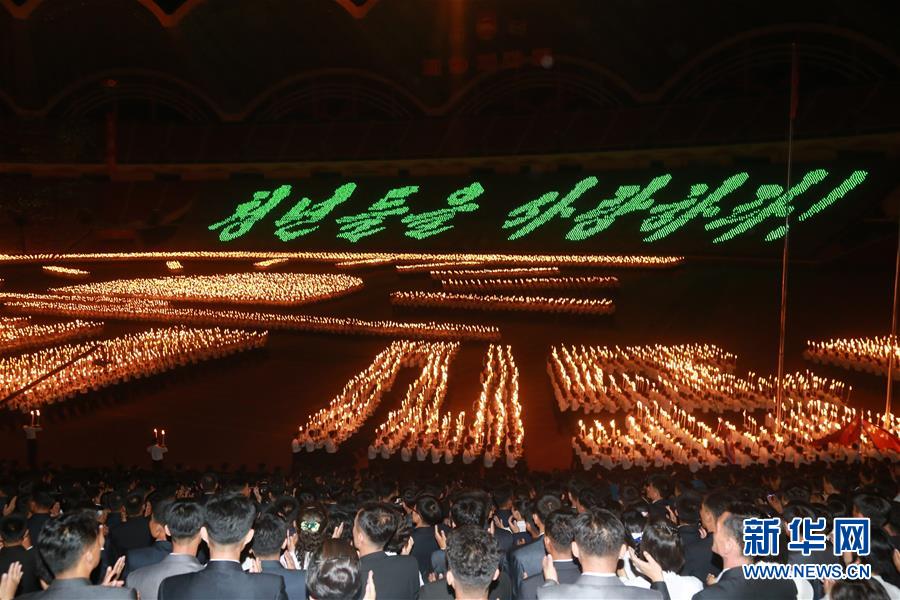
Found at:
(408, 546)
(9, 582)
(549, 569)
(111, 579)
(440, 538)
(338, 531)
(370, 588)
(10, 507)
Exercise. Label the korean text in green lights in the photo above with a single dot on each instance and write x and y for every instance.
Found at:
(586, 208)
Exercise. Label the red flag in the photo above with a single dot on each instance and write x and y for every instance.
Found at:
(881, 438)
(795, 81)
(846, 436)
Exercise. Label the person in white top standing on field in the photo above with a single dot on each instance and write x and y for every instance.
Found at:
(157, 449)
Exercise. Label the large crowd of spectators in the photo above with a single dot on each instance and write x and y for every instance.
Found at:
(456, 531)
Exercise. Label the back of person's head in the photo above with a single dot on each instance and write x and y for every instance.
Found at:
(733, 524)
(717, 502)
(269, 534)
(333, 573)
(662, 483)
(184, 518)
(875, 508)
(545, 505)
(880, 557)
(858, 589)
(663, 543)
(634, 521)
(209, 482)
(473, 559)
(687, 507)
(378, 522)
(312, 522)
(161, 510)
(64, 540)
(229, 518)
(287, 508)
(503, 495)
(560, 529)
(599, 533)
(42, 497)
(134, 505)
(469, 509)
(13, 528)
(429, 509)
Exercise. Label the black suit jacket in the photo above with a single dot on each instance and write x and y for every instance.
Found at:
(28, 558)
(500, 589)
(294, 581)
(223, 580)
(733, 586)
(424, 546)
(525, 560)
(133, 533)
(396, 577)
(699, 560)
(567, 571)
(81, 589)
(144, 557)
(35, 525)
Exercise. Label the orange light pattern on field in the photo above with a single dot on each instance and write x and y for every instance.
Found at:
(107, 362)
(277, 289)
(160, 311)
(65, 272)
(510, 303)
(494, 273)
(22, 336)
(869, 354)
(528, 284)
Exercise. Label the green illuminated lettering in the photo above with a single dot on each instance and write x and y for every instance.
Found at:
(432, 223)
(247, 214)
(530, 213)
(290, 226)
(628, 199)
(356, 227)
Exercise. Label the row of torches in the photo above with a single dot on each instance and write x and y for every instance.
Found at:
(90, 366)
(870, 354)
(418, 426)
(512, 303)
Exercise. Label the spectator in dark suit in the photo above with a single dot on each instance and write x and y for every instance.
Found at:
(559, 532)
(70, 548)
(473, 561)
(426, 513)
(598, 545)
(134, 532)
(228, 529)
(17, 548)
(472, 508)
(396, 577)
(270, 537)
(729, 544)
(161, 546)
(184, 519)
(698, 555)
(658, 489)
(40, 506)
(527, 559)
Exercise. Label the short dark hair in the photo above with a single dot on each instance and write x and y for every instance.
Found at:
(734, 522)
(875, 508)
(42, 497)
(209, 482)
(599, 532)
(469, 509)
(687, 507)
(378, 522)
(546, 505)
(13, 528)
(65, 539)
(333, 573)
(268, 535)
(663, 543)
(662, 483)
(161, 510)
(429, 509)
(473, 557)
(559, 528)
(134, 505)
(228, 518)
(184, 519)
(717, 502)
(858, 589)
